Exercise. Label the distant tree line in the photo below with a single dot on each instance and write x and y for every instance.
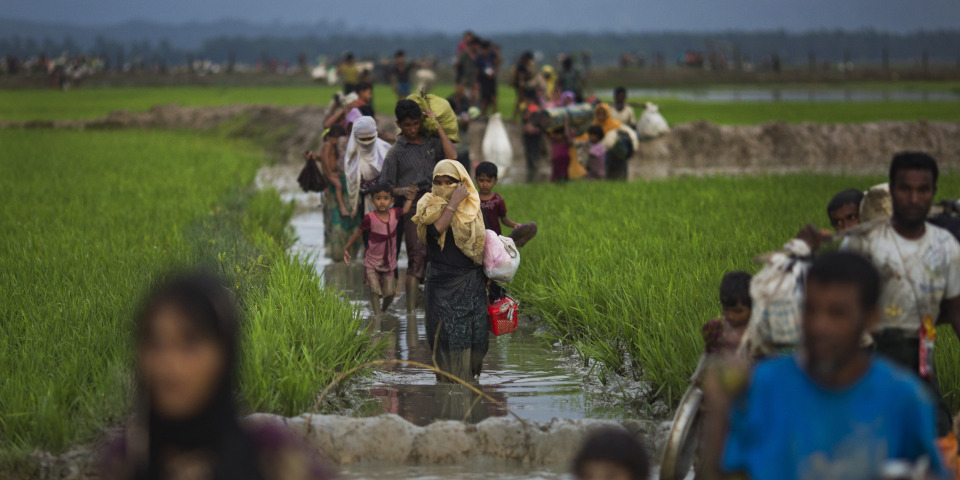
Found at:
(864, 46)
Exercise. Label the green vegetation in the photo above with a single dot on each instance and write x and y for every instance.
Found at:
(627, 273)
(89, 103)
(92, 220)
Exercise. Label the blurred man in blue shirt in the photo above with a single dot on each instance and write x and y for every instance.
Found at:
(832, 411)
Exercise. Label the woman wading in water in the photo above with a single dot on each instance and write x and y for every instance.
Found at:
(185, 425)
(450, 223)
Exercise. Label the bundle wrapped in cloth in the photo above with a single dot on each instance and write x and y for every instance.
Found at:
(445, 115)
(579, 116)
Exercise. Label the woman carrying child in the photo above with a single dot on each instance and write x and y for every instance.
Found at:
(380, 257)
(449, 221)
(619, 140)
(363, 162)
(337, 220)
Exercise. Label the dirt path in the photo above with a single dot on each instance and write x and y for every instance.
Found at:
(699, 148)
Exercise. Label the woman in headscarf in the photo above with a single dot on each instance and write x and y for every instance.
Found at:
(619, 140)
(450, 223)
(185, 424)
(339, 223)
(363, 161)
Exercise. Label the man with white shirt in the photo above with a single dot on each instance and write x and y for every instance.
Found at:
(919, 265)
(622, 112)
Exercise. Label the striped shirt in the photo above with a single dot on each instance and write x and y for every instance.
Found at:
(408, 163)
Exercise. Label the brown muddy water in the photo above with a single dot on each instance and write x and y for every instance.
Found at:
(525, 374)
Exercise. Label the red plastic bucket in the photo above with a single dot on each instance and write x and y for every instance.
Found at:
(503, 316)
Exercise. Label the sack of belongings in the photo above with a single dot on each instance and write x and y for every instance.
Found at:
(444, 112)
(651, 123)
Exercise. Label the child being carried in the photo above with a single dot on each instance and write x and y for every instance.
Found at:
(380, 256)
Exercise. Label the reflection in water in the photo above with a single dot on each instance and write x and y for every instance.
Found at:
(521, 372)
(457, 402)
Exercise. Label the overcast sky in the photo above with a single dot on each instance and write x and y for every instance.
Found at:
(496, 16)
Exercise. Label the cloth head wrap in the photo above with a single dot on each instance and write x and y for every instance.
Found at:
(469, 232)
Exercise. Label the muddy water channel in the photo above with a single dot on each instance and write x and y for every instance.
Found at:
(522, 372)
(525, 375)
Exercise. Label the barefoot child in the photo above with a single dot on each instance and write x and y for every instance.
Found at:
(722, 335)
(560, 154)
(597, 151)
(380, 257)
(495, 209)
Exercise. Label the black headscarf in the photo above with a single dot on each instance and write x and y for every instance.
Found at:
(215, 429)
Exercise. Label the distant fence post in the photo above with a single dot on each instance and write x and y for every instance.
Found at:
(885, 59)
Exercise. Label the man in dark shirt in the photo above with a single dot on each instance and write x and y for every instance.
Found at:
(459, 101)
(411, 162)
(467, 68)
(400, 75)
(487, 77)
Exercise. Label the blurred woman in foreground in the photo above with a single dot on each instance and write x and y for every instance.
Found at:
(185, 425)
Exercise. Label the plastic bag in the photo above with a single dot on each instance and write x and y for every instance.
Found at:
(877, 204)
(496, 145)
(444, 112)
(500, 258)
(777, 294)
(651, 123)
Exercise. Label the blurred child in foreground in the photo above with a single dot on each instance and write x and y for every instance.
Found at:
(185, 423)
(611, 454)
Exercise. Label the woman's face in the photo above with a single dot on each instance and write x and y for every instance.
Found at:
(444, 181)
(601, 115)
(181, 365)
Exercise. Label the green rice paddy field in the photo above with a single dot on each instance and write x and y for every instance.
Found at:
(91, 220)
(627, 273)
(87, 103)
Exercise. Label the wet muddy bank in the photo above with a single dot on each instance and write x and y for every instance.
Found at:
(389, 438)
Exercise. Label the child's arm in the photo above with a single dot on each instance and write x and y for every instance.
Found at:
(411, 194)
(502, 213)
(346, 248)
(510, 223)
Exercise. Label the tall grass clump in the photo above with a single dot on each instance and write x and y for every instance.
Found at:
(91, 221)
(627, 273)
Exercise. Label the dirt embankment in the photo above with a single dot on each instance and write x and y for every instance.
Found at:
(286, 131)
(694, 148)
(781, 147)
